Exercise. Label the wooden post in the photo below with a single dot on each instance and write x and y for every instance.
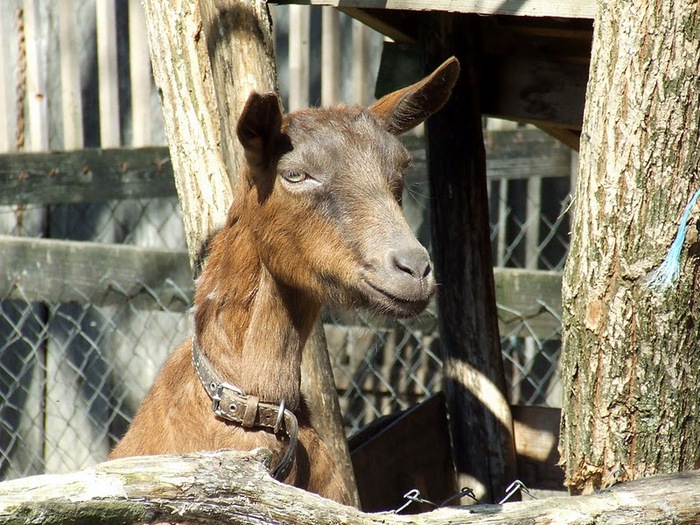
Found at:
(206, 62)
(480, 418)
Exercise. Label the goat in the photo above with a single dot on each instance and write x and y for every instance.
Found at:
(316, 219)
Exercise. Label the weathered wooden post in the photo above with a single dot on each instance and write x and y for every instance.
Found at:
(481, 424)
(207, 57)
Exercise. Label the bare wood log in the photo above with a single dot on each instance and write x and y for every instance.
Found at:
(234, 487)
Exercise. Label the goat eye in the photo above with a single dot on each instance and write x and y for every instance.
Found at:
(294, 176)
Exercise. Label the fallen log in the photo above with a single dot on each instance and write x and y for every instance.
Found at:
(234, 487)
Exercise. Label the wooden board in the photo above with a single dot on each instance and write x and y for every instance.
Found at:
(106, 274)
(536, 432)
(102, 274)
(89, 175)
(401, 452)
(532, 8)
(529, 302)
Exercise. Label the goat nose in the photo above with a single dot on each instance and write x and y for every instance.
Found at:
(415, 263)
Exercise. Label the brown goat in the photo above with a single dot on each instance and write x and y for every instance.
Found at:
(316, 220)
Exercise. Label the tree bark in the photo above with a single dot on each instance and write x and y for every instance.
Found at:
(234, 487)
(480, 419)
(631, 359)
(183, 76)
(207, 57)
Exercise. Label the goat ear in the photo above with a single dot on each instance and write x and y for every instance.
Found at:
(258, 127)
(406, 108)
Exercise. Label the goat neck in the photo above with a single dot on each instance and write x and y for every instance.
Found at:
(251, 326)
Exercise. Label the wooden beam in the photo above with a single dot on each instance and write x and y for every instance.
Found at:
(535, 91)
(536, 444)
(480, 419)
(52, 271)
(532, 8)
(47, 270)
(538, 90)
(88, 175)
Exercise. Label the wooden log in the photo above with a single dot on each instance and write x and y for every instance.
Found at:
(234, 487)
(481, 424)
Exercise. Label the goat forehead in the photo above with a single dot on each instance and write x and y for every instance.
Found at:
(344, 136)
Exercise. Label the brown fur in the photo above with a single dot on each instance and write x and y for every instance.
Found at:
(316, 219)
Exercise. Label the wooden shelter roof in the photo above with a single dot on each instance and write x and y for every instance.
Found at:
(536, 52)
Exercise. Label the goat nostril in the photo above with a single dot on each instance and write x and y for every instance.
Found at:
(415, 264)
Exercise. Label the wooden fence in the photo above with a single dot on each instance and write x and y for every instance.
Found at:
(76, 80)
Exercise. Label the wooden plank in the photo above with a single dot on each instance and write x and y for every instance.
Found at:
(536, 91)
(360, 52)
(299, 25)
(6, 80)
(88, 175)
(140, 75)
(103, 274)
(71, 97)
(536, 432)
(522, 153)
(37, 96)
(540, 90)
(64, 271)
(405, 451)
(529, 302)
(331, 79)
(108, 73)
(533, 8)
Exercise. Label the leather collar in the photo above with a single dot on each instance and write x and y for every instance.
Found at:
(232, 404)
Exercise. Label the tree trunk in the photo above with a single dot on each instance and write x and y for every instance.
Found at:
(207, 57)
(235, 487)
(481, 422)
(631, 359)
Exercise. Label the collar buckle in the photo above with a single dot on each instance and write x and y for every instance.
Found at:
(217, 391)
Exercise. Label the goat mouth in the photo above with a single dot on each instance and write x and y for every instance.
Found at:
(387, 302)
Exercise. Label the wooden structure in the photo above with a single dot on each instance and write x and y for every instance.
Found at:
(525, 61)
(514, 47)
(534, 53)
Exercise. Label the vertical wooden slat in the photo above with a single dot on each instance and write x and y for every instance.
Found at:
(71, 100)
(501, 240)
(299, 24)
(107, 73)
(6, 128)
(360, 39)
(330, 57)
(140, 65)
(37, 101)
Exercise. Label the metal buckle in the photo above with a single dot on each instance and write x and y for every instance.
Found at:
(218, 390)
(280, 417)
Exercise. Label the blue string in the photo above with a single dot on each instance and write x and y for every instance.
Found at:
(668, 272)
